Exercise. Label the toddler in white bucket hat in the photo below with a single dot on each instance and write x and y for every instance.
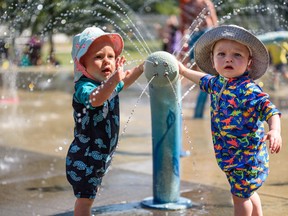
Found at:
(232, 58)
(98, 77)
(82, 42)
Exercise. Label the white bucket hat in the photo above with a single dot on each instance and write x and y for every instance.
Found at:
(82, 42)
(204, 45)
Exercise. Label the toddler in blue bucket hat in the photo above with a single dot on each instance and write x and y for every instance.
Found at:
(98, 77)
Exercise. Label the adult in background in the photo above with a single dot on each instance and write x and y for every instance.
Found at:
(278, 56)
(203, 15)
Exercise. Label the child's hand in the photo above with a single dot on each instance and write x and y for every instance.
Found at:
(181, 68)
(275, 140)
(120, 63)
(120, 73)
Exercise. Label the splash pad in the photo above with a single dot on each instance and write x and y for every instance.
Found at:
(32, 116)
(162, 69)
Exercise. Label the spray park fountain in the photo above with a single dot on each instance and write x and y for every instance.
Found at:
(43, 150)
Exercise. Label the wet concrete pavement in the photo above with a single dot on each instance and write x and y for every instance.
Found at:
(36, 131)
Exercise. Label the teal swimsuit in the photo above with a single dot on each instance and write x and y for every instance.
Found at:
(238, 109)
(95, 138)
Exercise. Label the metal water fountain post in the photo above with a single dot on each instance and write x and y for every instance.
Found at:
(165, 90)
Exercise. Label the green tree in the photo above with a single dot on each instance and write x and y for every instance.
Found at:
(47, 17)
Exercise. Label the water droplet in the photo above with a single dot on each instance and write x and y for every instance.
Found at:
(40, 7)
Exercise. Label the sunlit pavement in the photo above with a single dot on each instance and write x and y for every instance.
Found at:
(35, 133)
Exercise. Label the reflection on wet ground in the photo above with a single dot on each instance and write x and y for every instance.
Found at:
(35, 133)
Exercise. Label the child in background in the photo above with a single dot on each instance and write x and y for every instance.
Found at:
(202, 16)
(233, 59)
(278, 56)
(99, 77)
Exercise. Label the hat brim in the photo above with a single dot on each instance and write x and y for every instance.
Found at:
(116, 40)
(204, 45)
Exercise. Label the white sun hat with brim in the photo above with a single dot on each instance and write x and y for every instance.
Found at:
(82, 42)
(258, 51)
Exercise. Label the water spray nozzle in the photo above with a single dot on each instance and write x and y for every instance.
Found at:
(162, 65)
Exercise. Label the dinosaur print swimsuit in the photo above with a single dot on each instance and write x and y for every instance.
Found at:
(238, 109)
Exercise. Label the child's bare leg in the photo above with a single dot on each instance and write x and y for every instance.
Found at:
(83, 207)
(256, 202)
(242, 206)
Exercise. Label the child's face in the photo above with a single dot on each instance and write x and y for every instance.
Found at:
(99, 60)
(230, 58)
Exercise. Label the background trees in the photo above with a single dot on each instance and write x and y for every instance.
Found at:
(48, 17)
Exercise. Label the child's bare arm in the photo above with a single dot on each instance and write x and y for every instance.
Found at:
(103, 92)
(192, 75)
(274, 134)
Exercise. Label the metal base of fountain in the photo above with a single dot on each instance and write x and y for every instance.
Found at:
(182, 203)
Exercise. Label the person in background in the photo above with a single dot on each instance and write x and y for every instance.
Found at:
(35, 46)
(233, 59)
(203, 15)
(4, 53)
(4, 49)
(98, 77)
(25, 58)
(170, 35)
(278, 56)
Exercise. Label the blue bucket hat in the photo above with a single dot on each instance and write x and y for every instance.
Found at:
(82, 42)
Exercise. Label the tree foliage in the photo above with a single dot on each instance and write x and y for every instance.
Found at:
(69, 16)
(47, 17)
